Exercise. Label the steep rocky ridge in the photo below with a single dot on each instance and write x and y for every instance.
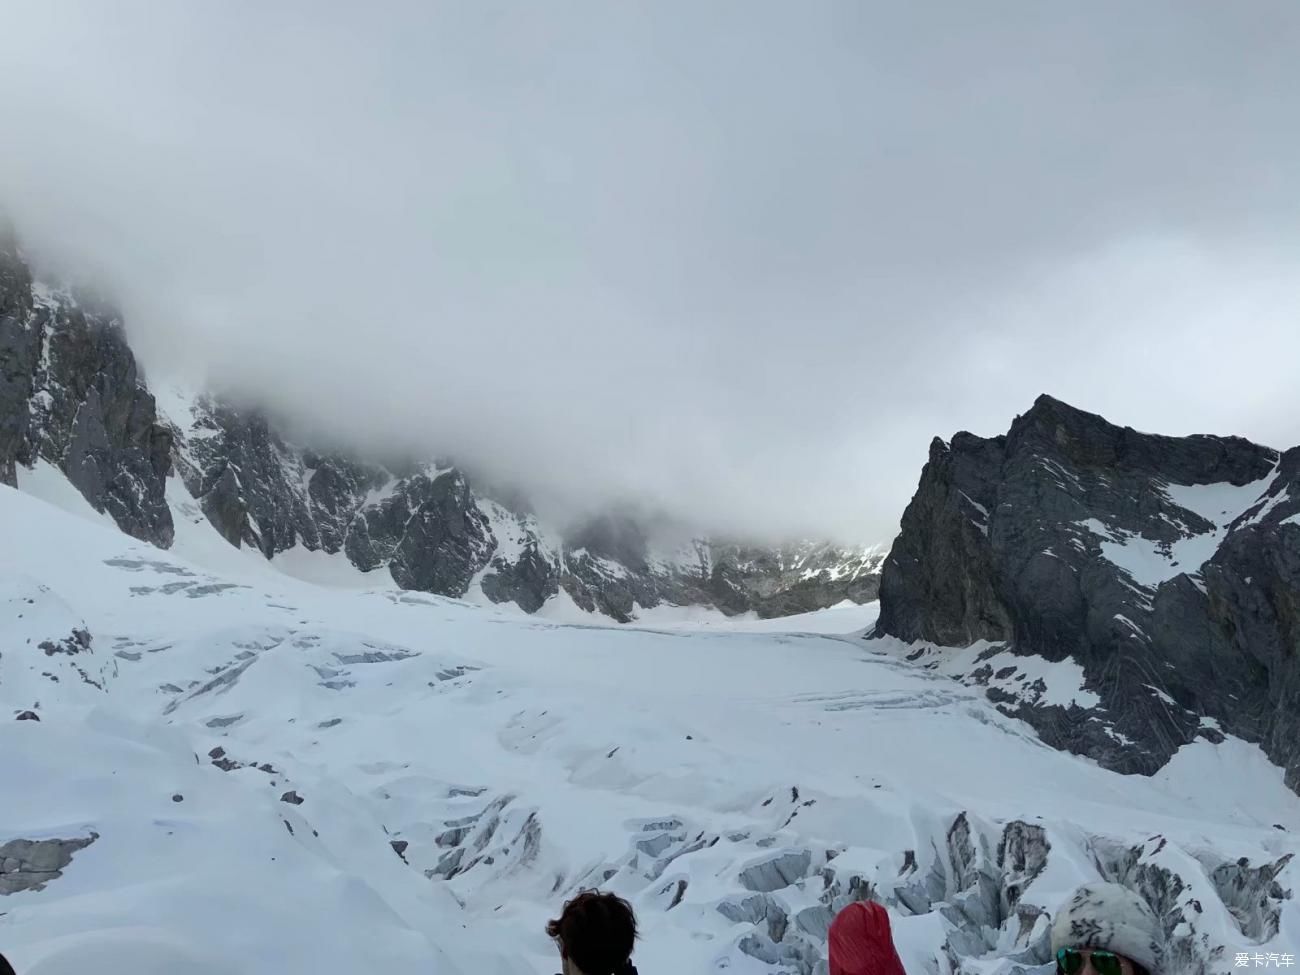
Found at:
(1166, 568)
(72, 395)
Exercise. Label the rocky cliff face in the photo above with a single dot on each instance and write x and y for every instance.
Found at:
(795, 578)
(71, 394)
(610, 564)
(1168, 569)
(434, 532)
(19, 353)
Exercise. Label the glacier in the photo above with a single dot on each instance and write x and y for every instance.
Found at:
(225, 766)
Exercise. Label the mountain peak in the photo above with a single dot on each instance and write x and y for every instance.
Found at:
(1144, 560)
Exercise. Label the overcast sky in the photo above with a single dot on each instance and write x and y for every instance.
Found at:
(739, 259)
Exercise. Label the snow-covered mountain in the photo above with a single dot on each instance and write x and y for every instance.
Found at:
(71, 394)
(266, 708)
(1164, 572)
(432, 531)
(211, 766)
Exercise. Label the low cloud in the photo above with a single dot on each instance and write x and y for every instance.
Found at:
(739, 263)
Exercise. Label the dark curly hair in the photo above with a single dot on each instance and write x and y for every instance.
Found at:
(596, 932)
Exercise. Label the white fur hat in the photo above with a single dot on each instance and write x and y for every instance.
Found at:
(1112, 918)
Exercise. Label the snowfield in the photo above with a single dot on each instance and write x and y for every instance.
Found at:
(257, 771)
(1151, 563)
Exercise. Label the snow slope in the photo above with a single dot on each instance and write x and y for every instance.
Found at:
(1150, 563)
(463, 769)
(844, 618)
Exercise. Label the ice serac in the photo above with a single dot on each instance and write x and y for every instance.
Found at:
(71, 394)
(1167, 568)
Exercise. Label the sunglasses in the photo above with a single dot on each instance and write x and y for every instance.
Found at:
(1069, 961)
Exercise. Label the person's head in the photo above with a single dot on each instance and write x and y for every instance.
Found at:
(595, 934)
(1106, 929)
(860, 943)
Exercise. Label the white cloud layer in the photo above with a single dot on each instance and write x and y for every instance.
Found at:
(739, 260)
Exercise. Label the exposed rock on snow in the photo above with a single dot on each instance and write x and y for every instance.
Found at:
(528, 582)
(446, 542)
(71, 394)
(77, 642)
(1159, 568)
(31, 864)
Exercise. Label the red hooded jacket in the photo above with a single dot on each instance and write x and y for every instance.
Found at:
(861, 943)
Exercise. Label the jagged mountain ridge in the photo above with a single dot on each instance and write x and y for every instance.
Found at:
(71, 394)
(1166, 568)
(435, 533)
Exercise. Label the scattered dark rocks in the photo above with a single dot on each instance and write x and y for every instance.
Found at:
(77, 642)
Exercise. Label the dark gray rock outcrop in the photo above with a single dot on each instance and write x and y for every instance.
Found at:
(260, 490)
(528, 582)
(605, 586)
(19, 354)
(31, 864)
(1168, 568)
(377, 529)
(71, 394)
(247, 480)
(446, 542)
(336, 489)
